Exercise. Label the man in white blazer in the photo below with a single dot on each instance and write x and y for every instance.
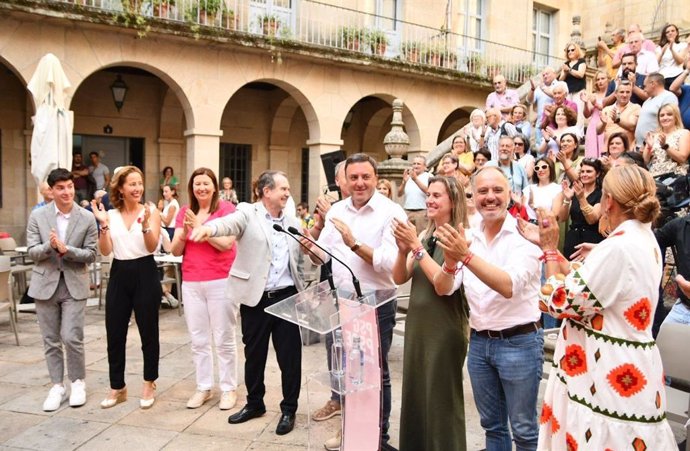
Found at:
(61, 239)
(265, 272)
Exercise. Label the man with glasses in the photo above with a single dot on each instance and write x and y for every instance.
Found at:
(621, 116)
(517, 179)
(502, 98)
(658, 97)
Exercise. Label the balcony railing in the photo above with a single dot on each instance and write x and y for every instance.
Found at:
(328, 26)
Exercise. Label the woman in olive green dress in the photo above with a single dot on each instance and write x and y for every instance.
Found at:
(433, 414)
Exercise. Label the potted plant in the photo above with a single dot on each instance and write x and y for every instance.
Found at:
(449, 59)
(493, 69)
(351, 37)
(161, 8)
(432, 54)
(524, 72)
(205, 11)
(411, 50)
(378, 40)
(228, 18)
(474, 63)
(270, 23)
(131, 6)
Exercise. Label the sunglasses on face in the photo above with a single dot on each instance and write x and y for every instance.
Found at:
(517, 143)
(570, 50)
(542, 167)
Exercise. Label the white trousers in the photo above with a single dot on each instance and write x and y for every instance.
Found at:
(209, 313)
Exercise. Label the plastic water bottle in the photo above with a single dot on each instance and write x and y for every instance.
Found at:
(337, 353)
(355, 362)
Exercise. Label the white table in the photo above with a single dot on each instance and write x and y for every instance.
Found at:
(165, 260)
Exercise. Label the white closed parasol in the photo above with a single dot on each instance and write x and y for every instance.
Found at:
(51, 140)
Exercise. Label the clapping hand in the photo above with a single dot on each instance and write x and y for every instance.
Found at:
(453, 242)
(579, 189)
(190, 221)
(405, 236)
(568, 191)
(55, 242)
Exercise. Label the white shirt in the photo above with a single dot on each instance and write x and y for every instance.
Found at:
(279, 272)
(127, 244)
(415, 198)
(520, 259)
(646, 63)
(371, 225)
(668, 66)
(168, 205)
(541, 197)
(61, 221)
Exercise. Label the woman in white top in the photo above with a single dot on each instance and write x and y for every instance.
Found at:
(475, 129)
(170, 209)
(670, 53)
(131, 232)
(544, 192)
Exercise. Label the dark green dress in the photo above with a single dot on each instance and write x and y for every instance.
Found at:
(433, 409)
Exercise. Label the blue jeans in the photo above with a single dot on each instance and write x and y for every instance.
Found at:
(679, 314)
(505, 376)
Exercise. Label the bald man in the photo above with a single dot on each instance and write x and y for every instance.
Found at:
(502, 98)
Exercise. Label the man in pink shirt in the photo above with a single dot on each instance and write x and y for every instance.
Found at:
(502, 98)
(636, 43)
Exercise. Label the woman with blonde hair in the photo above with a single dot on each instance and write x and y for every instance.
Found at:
(593, 104)
(460, 147)
(666, 150)
(606, 389)
(385, 187)
(573, 73)
(131, 232)
(432, 417)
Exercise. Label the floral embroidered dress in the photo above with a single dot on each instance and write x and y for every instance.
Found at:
(661, 163)
(606, 388)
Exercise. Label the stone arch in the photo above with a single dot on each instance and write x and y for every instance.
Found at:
(372, 122)
(168, 80)
(454, 122)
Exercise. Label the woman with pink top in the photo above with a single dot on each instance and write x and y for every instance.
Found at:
(208, 313)
(594, 103)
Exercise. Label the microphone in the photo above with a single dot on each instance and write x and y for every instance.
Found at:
(279, 228)
(355, 281)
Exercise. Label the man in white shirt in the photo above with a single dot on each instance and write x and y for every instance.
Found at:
(646, 60)
(358, 231)
(414, 187)
(500, 272)
(61, 240)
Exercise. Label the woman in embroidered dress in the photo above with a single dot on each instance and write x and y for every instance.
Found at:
(606, 388)
(432, 416)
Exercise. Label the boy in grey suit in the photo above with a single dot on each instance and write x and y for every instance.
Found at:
(61, 238)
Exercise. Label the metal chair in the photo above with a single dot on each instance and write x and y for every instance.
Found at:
(6, 293)
(673, 342)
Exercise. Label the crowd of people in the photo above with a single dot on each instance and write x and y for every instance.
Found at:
(517, 231)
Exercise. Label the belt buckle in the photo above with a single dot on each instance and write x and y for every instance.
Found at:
(270, 294)
(499, 334)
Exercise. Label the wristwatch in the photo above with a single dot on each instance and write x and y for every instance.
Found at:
(419, 254)
(356, 246)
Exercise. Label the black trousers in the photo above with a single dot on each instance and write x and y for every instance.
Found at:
(134, 285)
(257, 328)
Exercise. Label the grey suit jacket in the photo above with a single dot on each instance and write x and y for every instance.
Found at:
(80, 239)
(249, 271)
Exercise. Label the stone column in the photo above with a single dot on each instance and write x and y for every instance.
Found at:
(203, 149)
(317, 177)
(396, 142)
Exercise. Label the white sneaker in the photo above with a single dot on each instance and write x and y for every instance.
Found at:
(77, 396)
(55, 397)
(228, 400)
(172, 300)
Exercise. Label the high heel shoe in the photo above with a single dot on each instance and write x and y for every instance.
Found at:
(146, 403)
(120, 396)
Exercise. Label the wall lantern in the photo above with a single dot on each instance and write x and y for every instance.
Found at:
(119, 90)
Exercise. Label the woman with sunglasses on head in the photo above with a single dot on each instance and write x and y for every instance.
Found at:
(544, 192)
(573, 73)
(432, 417)
(593, 104)
(522, 154)
(581, 203)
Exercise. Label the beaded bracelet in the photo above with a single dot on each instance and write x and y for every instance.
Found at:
(552, 255)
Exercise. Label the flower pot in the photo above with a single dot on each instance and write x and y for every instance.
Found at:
(378, 49)
(229, 21)
(352, 44)
(161, 10)
(270, 27)
(412, 55)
